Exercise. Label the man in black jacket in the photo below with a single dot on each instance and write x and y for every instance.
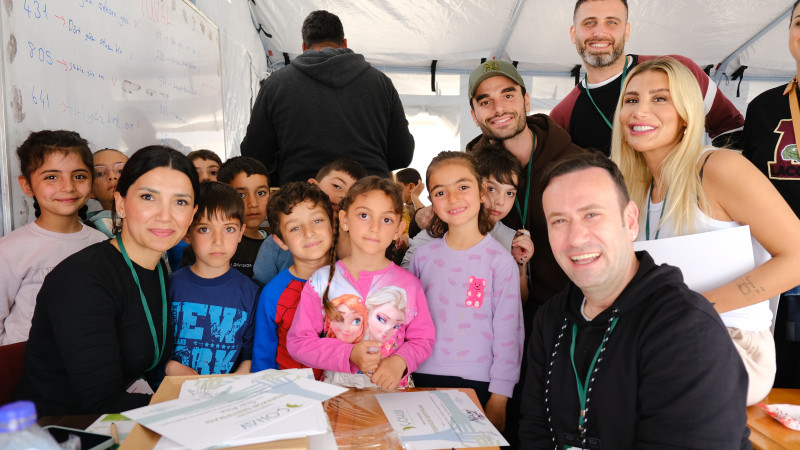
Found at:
(327, 103)
(626, 357)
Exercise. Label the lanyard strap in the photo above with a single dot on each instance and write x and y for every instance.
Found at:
(647, 221)
(589, 93)
(156, 351)
(523, 213)
(791, 89)
(584, 387)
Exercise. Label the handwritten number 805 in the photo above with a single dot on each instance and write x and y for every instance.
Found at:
(44, 55)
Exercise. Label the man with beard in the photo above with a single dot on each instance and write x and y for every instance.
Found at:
(599, 31)
(500, 104)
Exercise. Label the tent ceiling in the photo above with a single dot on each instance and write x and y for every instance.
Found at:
(410, 34)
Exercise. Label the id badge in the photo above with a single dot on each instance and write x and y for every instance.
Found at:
(573, 442)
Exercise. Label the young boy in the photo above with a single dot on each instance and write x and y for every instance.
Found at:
(108, 164)
(213, 304)
(248, 177)
(334, 179)
(302, 223)
(207, 164)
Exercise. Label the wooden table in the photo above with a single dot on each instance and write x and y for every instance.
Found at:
(768, 433)
(356, 418)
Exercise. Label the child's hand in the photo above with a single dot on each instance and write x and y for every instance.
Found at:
(424, 216)
(174, 368)
(496, 411)
(522, 247)
(366, 355)
(389, 372)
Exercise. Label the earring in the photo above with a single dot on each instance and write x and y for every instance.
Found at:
(395, 237)
(344, 227)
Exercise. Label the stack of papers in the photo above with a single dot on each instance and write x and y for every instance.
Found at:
(239, 410)
(439, 419)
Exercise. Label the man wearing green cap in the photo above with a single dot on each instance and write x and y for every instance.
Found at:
(499, 106)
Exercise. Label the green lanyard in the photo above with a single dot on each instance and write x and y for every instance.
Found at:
(589, 93)
(523, 213)
(157, 353)
(583, 388)
(647, 221)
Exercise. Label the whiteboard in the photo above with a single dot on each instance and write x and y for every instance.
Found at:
(122, 73)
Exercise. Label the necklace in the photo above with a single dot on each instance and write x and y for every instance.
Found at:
(523, 213)
(156, 351)
(589, 93)
(663, 207)
(585, 388)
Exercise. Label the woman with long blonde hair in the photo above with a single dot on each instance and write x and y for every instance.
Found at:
(683, 187)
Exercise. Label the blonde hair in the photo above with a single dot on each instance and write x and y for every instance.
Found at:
(679, 169)
(387, 294)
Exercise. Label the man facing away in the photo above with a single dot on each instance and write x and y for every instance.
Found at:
(626, 357)
(599, 31)
(327, 103)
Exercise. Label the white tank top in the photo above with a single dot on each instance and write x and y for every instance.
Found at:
(751, 318)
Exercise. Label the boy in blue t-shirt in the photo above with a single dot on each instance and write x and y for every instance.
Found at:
(302, 222)
(212, 303)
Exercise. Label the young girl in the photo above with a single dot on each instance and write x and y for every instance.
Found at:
(473, 284)
(370, 214)
(108, 164)
(56, 171)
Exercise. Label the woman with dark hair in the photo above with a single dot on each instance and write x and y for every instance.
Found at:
(770, 138)
(101, 321)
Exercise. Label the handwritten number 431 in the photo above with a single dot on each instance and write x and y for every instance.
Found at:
(35, 9)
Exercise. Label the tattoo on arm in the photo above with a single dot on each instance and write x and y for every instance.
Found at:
(748, 288)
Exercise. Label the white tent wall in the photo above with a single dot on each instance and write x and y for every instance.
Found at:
(403, 38)
(243, 63)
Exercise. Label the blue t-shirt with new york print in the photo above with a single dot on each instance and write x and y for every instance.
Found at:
(213, 319)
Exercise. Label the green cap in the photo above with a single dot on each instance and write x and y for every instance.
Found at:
(490, 69)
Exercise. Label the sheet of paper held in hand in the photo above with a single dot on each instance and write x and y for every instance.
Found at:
(242, 405)
(707, 260)
(439, 419)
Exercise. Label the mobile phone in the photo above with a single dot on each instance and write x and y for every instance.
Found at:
(89, 441)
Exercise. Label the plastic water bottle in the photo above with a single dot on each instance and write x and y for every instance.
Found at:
(19, 431)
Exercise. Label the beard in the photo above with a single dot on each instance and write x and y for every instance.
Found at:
(517, 126)
(601, 59)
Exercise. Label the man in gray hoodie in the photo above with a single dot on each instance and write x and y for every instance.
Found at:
(327, 103)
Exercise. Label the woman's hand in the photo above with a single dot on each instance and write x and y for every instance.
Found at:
(174, 368)
(390, 371)
(366, 355)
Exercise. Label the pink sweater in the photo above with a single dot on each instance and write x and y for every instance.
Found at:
(415, 337)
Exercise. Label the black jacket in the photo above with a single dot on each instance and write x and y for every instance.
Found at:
(670, 376)
(327, 104)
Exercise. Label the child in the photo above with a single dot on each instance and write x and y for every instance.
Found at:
(108, 164)
(207, 164)
(411, 183)
(473, 284)
(370, 215)
(302, 224)
(213, 304)
(334, 179)
(249, 178)
(56, 171)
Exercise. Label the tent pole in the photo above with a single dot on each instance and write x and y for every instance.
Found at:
(512, 22)
(720, 72)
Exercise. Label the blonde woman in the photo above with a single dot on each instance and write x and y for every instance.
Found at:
(683, 187)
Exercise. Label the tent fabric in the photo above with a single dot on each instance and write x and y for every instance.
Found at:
(410, 34)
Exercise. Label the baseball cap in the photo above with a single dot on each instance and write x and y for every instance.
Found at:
(490, 69)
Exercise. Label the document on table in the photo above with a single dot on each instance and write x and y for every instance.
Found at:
(439, 419)
(242, 406)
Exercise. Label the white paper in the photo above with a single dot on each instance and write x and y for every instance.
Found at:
(707, 260)
(140, 386)
(439, 419)
(103, 425)
(244, 405)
